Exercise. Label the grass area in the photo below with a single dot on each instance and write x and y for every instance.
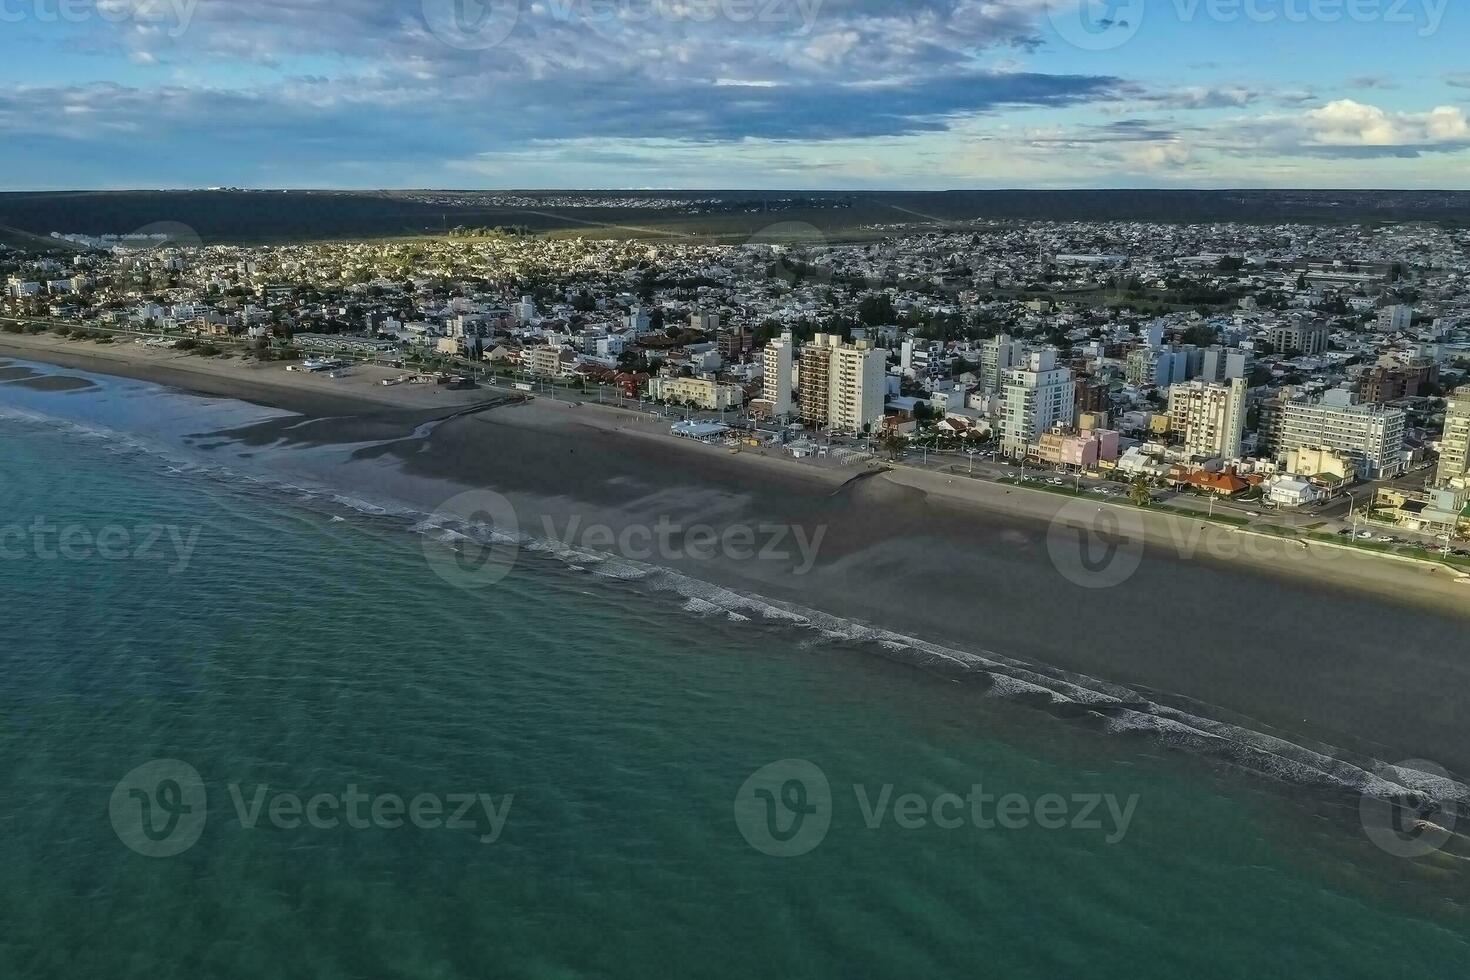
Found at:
(1376, 547)
(1067, 491)
(1213, 518)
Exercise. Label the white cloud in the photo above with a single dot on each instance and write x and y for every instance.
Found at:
(1349, 123)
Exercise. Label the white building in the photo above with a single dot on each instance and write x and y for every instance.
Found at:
(1454, 447)
(525, 310)
(855, 386)
(1291, 492)
(998, 355)
(1372, 434)
(700, 392)
(1224, 364)
(1210, 418)
(1038, 396)
(776, 374)
(1395, 319)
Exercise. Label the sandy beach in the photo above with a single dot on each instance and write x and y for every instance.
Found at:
(1320, 643)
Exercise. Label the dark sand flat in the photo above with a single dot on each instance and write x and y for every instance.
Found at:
(1349, 650)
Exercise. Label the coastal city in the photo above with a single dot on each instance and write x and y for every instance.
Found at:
(1254, 371)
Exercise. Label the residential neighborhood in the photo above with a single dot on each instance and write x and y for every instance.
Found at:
(1292, 368)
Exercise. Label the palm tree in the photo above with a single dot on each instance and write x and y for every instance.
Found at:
(1139, 493)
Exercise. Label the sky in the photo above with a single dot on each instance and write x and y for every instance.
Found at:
(758, 94)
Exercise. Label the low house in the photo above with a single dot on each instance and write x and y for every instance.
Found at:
(1291, 492)
(1225, 484)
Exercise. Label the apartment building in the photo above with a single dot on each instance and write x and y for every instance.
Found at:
(548, 361)
(1300, 335)
(777, 359)
(1395, 319)
(1389, 383)
(855, 384)
(699, 392)
(1038, 397)
(813, 380)
(998, 355)
(1454, 450)
(1224, 364)
(1372, 434)
(1210, 418)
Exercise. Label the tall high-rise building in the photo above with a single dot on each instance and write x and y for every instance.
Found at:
(1209, 417)
(998, 355)
(1371, 434)
(1454, 449)
(1224, 364)
(856, 387)
(776, 361)
(1038, 396)
(841, 386)
(812, 380)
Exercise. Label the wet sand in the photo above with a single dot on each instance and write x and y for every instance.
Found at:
(1318, 643)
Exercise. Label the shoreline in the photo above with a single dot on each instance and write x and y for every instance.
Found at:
(1354, 652)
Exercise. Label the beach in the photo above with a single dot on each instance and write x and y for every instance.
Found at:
(1354, 654)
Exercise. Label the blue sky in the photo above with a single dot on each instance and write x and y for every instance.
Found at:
(921, 94)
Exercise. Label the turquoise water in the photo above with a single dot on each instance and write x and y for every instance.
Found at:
(309, 648)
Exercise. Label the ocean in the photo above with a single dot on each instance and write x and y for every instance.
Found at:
(251, 727)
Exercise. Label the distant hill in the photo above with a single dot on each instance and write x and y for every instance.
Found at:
(251, 217)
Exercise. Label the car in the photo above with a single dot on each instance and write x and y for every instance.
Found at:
(1365, 534)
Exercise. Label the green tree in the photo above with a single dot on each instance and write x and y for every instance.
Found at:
(1140, 494)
